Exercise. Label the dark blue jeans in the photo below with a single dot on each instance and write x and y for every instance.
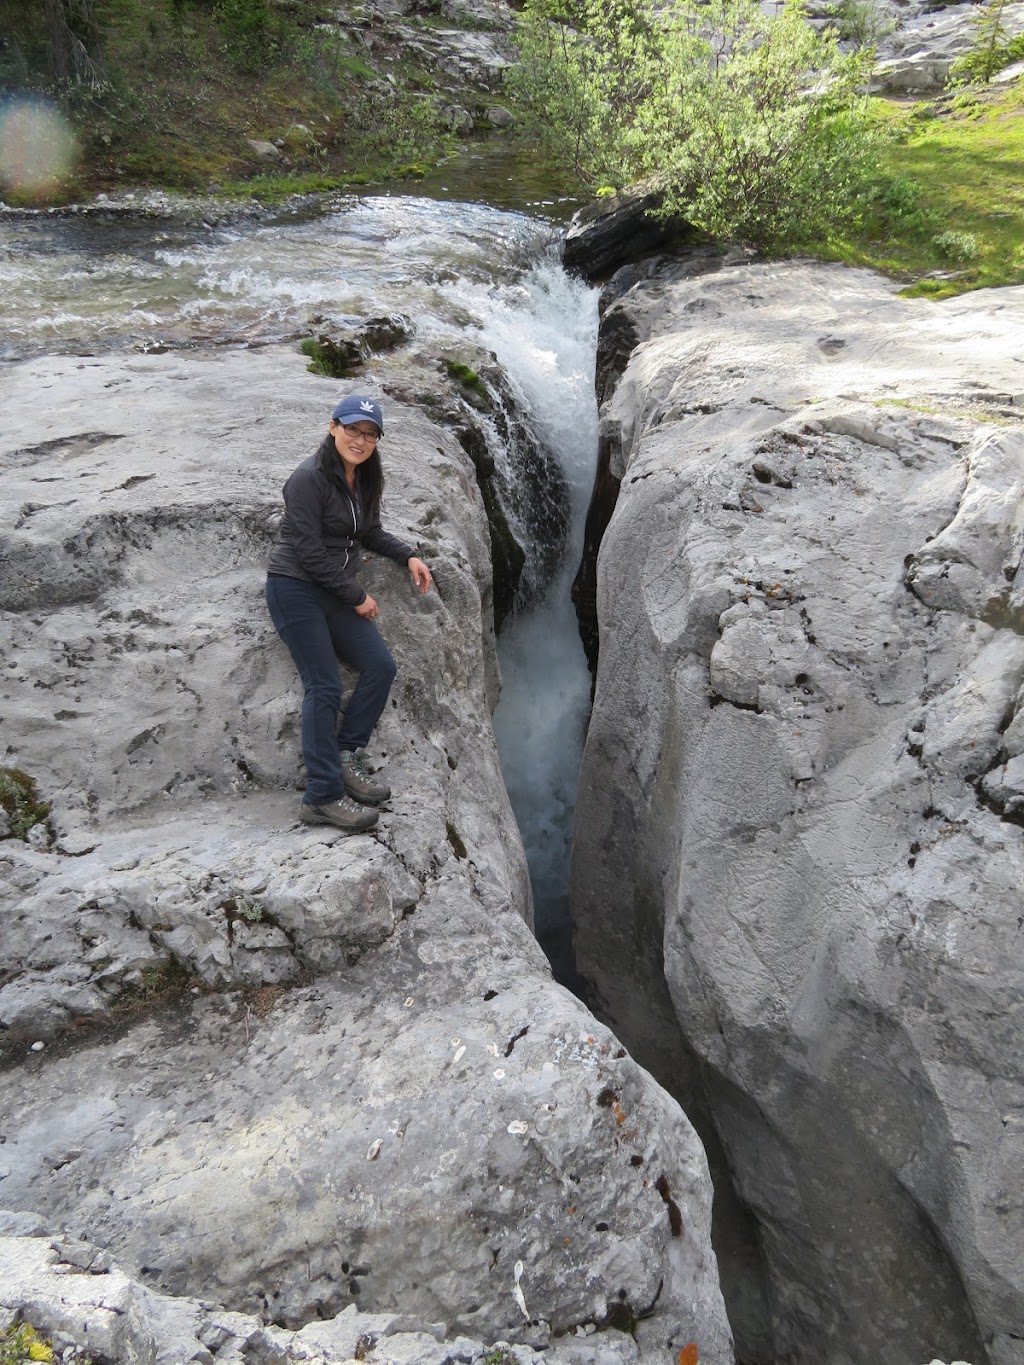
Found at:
(318, 630)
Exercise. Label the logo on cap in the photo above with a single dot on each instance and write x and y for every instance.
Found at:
(366, 405)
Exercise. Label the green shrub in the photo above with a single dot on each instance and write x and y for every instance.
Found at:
(861, 22)
(20, 802)
(335, 359)
(583, 70)
(21, 1344)
(993, 47)
(756, 125)
(399, 128)
(245, 907)
(253, 37)
(760, 128)
(956, 246)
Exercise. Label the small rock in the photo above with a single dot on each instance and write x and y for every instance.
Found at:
(498, 117)
(38, 837)
(263, 149)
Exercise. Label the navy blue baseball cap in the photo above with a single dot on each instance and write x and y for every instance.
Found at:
(354, 407)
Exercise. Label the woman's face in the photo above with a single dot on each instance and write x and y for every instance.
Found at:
(354, 443)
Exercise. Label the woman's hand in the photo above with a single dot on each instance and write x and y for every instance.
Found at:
(367, 608)
(420, 574)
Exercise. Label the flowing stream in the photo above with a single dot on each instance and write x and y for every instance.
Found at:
(82, 284)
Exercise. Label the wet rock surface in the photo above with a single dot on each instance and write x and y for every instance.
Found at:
(798, 851)
(264, 1068)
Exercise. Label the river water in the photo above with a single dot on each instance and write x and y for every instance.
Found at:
(82, 284)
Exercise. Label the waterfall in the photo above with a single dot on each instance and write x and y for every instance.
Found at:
(546, 340)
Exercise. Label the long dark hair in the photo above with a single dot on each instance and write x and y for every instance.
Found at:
(371, 483)
(370, 474)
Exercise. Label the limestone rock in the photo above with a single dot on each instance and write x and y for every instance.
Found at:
(915, 58)
(498, 116)
(440, 1149)
(126, 1321)
(269, 1070)
(266, 151)
(798, 854)
(458, 119)
(469, 55)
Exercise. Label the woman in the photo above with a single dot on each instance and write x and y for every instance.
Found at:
(332, 509)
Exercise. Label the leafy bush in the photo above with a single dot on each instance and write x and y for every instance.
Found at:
(21, 1343)
(398, 127)
(956, 246)
(584, 69)
(335, 359)
(757, 126)
(252, 36)
(861, 22)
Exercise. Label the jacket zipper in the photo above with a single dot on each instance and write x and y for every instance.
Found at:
(355, 527)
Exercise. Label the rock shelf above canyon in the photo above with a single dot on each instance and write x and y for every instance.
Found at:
(798, 850)
(278, 1071)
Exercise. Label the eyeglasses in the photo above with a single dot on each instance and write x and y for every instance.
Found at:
(371, 436)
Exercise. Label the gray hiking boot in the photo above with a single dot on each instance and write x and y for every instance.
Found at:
(360, 781)
(343, 814)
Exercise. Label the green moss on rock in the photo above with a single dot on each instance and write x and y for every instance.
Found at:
(335, 359)
(20, 802)
(462, 374)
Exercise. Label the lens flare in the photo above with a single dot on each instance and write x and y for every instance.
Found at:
(37, 146)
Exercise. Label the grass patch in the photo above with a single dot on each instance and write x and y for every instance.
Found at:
(169, 978)
(333, 359)
(275, 189)
(955, 220)
(957, 412)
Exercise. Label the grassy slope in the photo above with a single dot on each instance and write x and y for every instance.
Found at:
(966, 155)
(970, 166)
(183, 93)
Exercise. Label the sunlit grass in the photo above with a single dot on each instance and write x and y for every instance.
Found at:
(966, 156)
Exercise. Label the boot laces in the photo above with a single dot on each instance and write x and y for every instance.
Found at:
(358, 765)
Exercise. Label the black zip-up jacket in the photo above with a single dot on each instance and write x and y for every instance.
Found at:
(324, 525)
